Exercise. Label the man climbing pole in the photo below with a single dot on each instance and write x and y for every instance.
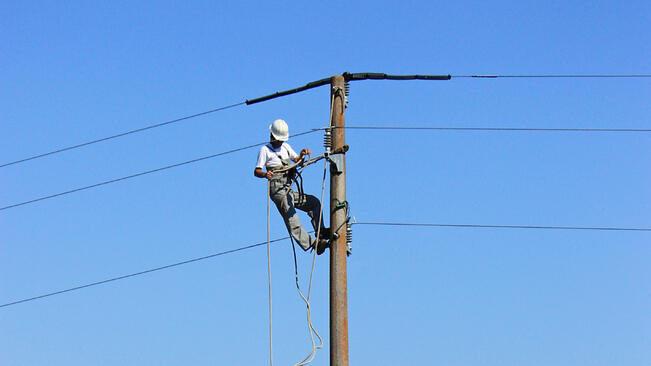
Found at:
(276, 156)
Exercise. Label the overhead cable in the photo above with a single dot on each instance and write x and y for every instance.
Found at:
(310, 85)
(142, 272)
(537, 129)
(317, 83)
(368, 223)
(141, 173)
(382, 76)
(537, 227)
(120, 134)
(556, 76)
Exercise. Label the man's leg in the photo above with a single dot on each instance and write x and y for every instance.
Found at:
(312, 206)
(284, 200)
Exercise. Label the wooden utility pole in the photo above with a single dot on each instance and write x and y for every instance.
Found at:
(338, 257)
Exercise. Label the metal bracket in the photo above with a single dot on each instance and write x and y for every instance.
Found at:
(336, 158)
(337, 161)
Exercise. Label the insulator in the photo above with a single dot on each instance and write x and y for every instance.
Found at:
(349, 234)
(346, 93)
(327, 141)
(349, 238)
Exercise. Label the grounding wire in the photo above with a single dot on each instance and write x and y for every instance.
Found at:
(121, 134)
(141, 173)
(537, 227)
(142, 272)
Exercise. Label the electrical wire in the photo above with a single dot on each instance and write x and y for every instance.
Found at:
(321, 82)
(537, 227)
(382, 76)
(556, 76)
(366, 223)
(142, 272)
(536, 129)
(121, 134)
(141, 173)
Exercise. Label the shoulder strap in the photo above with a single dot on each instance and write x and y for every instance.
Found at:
(284, 161)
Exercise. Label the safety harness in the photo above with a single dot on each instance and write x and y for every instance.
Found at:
(289, 171)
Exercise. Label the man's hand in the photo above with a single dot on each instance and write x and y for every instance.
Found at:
(261, 174)
(306, 151)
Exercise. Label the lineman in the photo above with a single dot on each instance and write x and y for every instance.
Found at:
(275, 155)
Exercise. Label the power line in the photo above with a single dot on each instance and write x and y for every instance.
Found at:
(141, 173)
(142, 272)
(556, 76)
(540, 129)
(536, 227)
(382, 76)
(310, 85)
(318, 83)
(121, 134)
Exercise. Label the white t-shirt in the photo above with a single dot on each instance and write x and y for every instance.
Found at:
(268, 155)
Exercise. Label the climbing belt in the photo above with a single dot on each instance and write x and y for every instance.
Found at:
(310, 356)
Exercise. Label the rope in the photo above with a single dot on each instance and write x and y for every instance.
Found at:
(271, 360)
(312, 331)
(310, 356)
(301, 163)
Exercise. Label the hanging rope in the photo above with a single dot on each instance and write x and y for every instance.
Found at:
(302, 163)
(310, 356)
(271, 360)
(312, 331)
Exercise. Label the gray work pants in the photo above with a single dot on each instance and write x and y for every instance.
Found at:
(287, 201)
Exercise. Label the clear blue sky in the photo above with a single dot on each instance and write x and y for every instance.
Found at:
(72, 72)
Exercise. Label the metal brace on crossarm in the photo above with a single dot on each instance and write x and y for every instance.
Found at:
(336, 158)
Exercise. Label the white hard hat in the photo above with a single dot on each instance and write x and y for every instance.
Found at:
(279, 130)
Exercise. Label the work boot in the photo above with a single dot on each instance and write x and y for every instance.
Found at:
(321, 245)
(324, 233)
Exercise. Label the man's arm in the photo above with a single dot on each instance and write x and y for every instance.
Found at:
(304, 152)
(258, 172)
